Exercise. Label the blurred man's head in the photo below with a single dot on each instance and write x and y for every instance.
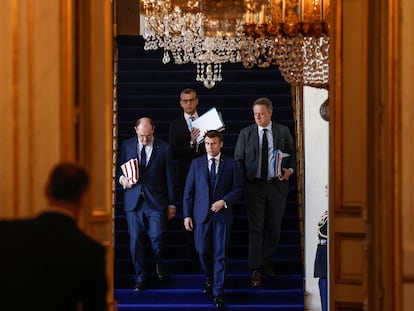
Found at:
(67, 184)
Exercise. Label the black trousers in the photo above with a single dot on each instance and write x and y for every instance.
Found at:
(265, 206)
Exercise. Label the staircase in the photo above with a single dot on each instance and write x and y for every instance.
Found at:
(147, 87)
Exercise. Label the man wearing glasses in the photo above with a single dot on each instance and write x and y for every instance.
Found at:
(184, 148)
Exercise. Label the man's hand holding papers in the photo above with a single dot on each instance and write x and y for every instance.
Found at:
(211, 120)
(280, 165)
(130, 172)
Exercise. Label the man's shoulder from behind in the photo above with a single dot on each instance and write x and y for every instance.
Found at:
(6, 224)
(51, 220)
(13, 230)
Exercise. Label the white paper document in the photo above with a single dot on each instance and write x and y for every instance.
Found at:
(211, 120)
(130, 170)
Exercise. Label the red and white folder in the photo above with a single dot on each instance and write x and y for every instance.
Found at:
(130, 170)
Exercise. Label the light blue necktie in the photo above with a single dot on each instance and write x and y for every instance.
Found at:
(190, 122)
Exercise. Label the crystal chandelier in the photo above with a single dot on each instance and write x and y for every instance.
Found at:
(196, 32)
(292, 34)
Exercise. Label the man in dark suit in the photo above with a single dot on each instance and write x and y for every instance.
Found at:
(47, 262)
(184, 147)
(149, 201)
(213, 184)
(265, 190)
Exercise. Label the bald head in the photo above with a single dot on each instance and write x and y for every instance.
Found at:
(144, 128)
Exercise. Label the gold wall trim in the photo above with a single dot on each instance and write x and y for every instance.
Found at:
(15, 103)
(67, 87)
(31, 42)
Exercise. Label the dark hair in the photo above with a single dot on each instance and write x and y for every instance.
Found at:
(188, 91)
(67, 182)
(214, 133)
(265, 102)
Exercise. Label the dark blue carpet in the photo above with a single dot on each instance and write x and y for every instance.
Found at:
(147, 87)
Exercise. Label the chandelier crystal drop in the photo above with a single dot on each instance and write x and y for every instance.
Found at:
(291, 34)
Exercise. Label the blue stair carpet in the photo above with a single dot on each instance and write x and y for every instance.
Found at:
(147, 87)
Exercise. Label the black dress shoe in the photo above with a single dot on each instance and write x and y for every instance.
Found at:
(208, 286)
(138, 287)
(161, 275)
(268, 269)
(218, 302)
(256, 278)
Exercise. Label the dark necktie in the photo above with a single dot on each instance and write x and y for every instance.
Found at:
(213, 170)
(212, 179)
(265, 155)
(143, 158)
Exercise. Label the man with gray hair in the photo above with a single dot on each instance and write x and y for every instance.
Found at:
(258, 151)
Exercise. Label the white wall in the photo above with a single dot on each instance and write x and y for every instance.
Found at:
(316, 146)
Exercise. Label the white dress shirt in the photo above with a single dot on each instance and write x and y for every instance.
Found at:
(271, 156)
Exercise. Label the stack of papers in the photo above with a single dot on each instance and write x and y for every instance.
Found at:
(280, 162)
(211, 120)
